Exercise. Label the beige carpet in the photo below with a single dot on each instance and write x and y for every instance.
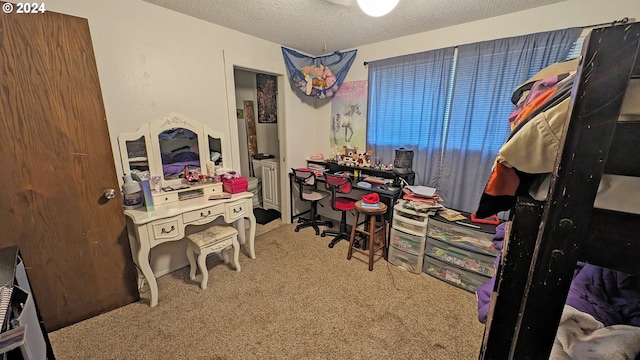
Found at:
(297, 300)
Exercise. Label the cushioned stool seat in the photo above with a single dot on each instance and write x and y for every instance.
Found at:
(214, 239)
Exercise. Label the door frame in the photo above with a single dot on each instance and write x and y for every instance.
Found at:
(232, 61)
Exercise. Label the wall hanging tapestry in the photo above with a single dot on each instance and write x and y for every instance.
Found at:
(349, 115)
(320, 76)
(267, 87)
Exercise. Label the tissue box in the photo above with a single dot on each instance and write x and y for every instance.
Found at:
(235, 185)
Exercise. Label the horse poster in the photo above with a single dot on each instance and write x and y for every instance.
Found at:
(349, 115)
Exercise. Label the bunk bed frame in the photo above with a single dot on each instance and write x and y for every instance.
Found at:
(546, 239)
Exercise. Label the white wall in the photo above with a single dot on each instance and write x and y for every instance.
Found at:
(552, 17)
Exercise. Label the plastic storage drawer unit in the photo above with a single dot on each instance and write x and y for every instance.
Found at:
(410, 262)
(408, 222)
(460, 278)
(406, 242)
(462, 237)
(478, 263)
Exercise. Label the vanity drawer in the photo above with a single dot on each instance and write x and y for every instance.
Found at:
(203, 216)
(237, 210)
(165, 197)
(215, 188)
(167, 229)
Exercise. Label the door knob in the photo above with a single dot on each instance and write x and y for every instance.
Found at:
(109, 194)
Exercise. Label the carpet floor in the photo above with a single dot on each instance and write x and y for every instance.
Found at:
(297, 300)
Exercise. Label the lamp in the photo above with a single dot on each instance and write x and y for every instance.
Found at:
(377, 8)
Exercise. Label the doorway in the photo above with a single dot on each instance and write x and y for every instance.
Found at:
(241, 84)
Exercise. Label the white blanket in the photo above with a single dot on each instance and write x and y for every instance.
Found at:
(581, 336)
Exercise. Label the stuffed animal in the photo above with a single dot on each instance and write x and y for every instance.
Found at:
(328, 76)
(313, 71)
(363, 159)
(318, 83)
(319, 77)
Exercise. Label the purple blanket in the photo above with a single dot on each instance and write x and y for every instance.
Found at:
(178, 167)
(610, 296)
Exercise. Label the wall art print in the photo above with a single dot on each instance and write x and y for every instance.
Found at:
(267, 87)
(349, 116)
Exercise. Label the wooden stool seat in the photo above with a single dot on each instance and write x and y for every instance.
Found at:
(215, 239)
(369, 230)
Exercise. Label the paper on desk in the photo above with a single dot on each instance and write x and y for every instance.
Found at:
(422, 190)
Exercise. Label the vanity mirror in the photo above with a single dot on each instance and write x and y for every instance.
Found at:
(166, 147)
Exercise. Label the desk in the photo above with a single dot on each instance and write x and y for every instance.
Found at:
(387, 196)
(168, 222)
(332, 167)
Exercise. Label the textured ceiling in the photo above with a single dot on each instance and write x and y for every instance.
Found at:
(319, 27)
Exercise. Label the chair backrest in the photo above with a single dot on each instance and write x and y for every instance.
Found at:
(303, 177)
(337, 185)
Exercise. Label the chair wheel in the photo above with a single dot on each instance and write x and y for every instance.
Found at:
(323, 234)
(296, 230)
(330, 225)
(330, 245)
(317, 232)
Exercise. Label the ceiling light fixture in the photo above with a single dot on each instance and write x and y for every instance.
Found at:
(377, 8)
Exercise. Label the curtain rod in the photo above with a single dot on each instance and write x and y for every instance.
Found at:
(624, 20)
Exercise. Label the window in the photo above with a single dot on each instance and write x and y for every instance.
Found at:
(451, 106)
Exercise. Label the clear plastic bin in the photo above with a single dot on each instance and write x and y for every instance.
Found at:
(469, 260)
(455, 276)
(410, 262)
(412, 244)
(462, 237)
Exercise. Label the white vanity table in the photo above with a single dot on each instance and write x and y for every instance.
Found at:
(163, 145)
(168, 222)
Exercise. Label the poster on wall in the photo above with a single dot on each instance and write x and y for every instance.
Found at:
(267, 88)
(349, 116)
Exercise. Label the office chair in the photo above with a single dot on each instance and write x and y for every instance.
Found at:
(339, 185)
(306, 181)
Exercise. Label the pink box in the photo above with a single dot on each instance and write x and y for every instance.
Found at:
(235, 185)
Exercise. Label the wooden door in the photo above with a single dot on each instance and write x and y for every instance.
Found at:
(56, 161)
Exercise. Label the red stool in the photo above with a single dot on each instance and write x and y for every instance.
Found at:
(369, 230)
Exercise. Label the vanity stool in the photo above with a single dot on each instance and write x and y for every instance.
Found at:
(372, 230)
(214, 239)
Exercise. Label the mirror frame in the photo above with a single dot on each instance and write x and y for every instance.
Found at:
(150, 132)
